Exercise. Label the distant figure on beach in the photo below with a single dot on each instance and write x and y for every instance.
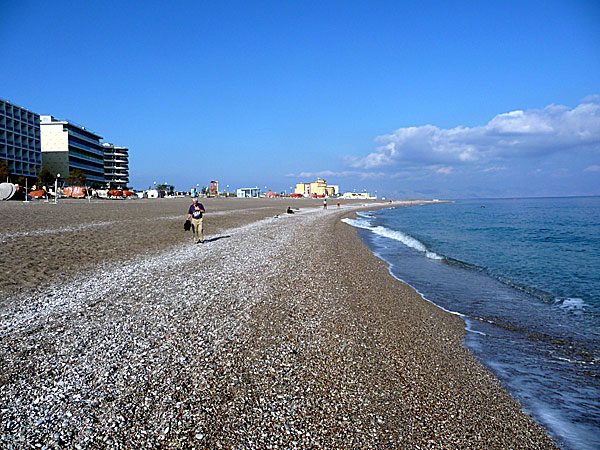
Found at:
(324, 203)
(289, 210)
(195, 213)
(339, 203)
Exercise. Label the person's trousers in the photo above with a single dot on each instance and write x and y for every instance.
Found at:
(197, 229)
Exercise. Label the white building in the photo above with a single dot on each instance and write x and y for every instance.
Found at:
(116, 165)
(67, 146)
(20, 144)
(359, 195)
(248, 192)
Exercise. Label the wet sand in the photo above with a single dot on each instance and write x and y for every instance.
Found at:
(277, 333)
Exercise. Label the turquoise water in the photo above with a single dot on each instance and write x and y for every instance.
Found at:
(525, 276)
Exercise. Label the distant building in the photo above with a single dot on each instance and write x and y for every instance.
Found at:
(302, 189)
(359, 195)
(66, 146)
(318, 187)
(116, 165)
(20, 144)
(214, 188)
(248, 192)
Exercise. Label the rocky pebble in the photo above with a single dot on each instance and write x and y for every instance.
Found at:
(285, 333)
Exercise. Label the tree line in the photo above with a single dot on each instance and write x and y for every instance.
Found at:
(45, 177)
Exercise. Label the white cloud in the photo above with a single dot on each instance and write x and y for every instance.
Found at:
(494, 169)
(516, 134)
(331, 174)
(592, 169)
(594, 98)
(444, 170)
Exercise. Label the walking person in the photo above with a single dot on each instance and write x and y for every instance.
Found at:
(195, 212)
(325, 204)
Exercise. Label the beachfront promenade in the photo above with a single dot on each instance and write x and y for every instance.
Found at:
(117, 332)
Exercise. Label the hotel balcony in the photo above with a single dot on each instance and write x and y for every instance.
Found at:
(94, 150)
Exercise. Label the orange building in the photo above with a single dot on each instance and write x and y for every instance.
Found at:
(214, 188)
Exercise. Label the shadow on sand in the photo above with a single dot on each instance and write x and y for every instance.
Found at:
(216, 238)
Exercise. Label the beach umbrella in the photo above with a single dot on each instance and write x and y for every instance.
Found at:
(39, 193)
(7, 190)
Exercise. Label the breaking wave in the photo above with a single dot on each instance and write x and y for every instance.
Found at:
(409, 241)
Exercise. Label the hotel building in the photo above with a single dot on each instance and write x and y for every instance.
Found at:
(20, 143)
(318, 187)
(116, 165)
(67, 146)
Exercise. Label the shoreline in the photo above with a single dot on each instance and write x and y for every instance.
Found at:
(511, 408)
(505, 323)
(74, 235)
(299, 336)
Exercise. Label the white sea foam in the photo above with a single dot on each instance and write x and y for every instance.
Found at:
(469, 326)
(391, 272)
(570, 304)
(407, 240)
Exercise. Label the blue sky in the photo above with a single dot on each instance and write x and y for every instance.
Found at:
(412, 99)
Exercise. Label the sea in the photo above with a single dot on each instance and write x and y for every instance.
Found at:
(524, 274)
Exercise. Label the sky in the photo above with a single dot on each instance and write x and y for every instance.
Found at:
(411, 99)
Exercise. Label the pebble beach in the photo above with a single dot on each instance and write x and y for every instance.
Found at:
(281, 331)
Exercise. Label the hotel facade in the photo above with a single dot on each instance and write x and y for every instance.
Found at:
(318, 187)
(67, 146)
(20, 143)
(116, 165)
